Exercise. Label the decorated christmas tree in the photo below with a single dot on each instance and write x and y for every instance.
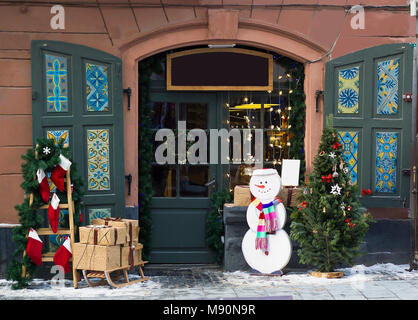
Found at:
(329, 224)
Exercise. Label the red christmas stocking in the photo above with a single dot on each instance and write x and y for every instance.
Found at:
(59, 172)
(54, 212)
(63, 255)
(34, 247)
(43, 185)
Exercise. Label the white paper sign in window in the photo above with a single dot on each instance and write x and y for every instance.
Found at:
(290, 172)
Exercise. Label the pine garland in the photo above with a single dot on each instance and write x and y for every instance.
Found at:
(145, 153)
(214, 222)
(329, 224)
(297, 116)
(28, 215)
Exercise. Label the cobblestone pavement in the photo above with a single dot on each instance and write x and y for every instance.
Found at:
(358, 283)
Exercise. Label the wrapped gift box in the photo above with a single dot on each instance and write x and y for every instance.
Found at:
(290, 196)
(118, 222)
(97, 258)
(137, 254)
(103, 235)
(242, 196)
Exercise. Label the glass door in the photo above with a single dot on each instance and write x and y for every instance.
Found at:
(182, 188)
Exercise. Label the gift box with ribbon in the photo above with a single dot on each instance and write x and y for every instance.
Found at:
(242, 196)
(132, 227)
(96, 257)
(103, 235)
(131, 257)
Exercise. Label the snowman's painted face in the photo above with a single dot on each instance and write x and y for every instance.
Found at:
(265, 187)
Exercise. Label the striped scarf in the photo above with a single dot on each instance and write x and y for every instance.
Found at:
(267, 222)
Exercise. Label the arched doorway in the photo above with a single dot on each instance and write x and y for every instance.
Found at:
(182, 191)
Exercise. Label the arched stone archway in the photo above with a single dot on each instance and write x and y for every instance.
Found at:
(247, 32)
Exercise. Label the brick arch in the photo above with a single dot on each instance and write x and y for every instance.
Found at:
(249, 33)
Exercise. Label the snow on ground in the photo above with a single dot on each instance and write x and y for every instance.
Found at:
(358, 275)
(39, 288)
(354, 275)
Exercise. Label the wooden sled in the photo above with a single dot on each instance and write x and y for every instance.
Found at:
(103, 277)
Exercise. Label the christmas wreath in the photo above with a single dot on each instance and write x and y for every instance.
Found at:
(46, 163)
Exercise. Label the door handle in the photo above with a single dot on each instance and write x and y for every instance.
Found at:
(210, 183)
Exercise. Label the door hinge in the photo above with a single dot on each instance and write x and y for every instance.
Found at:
(34, 95)
(406, 172)
(128, 91)
(129, 179)
(317, 94)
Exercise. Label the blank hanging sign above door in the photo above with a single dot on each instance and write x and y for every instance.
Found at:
(231, 69)
(290, 172)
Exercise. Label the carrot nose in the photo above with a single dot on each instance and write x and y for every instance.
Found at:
(260, 186)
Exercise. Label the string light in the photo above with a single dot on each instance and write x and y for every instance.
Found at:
(274, 114)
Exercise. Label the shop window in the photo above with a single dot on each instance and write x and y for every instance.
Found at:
(270, 112)
(179, 179)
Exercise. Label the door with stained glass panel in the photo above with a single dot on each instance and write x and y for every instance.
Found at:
(182, 189)
(364, 92)
(77, 96)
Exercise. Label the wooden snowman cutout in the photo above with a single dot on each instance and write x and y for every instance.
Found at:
(266, 246)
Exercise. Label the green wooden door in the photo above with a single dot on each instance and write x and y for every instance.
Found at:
(364, 92)
(181, 199)
(77, 95)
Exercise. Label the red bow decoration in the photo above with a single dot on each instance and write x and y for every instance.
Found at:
(336, 145)
(303, 204)
(364, 191)
(328, 178)
(349, 223)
